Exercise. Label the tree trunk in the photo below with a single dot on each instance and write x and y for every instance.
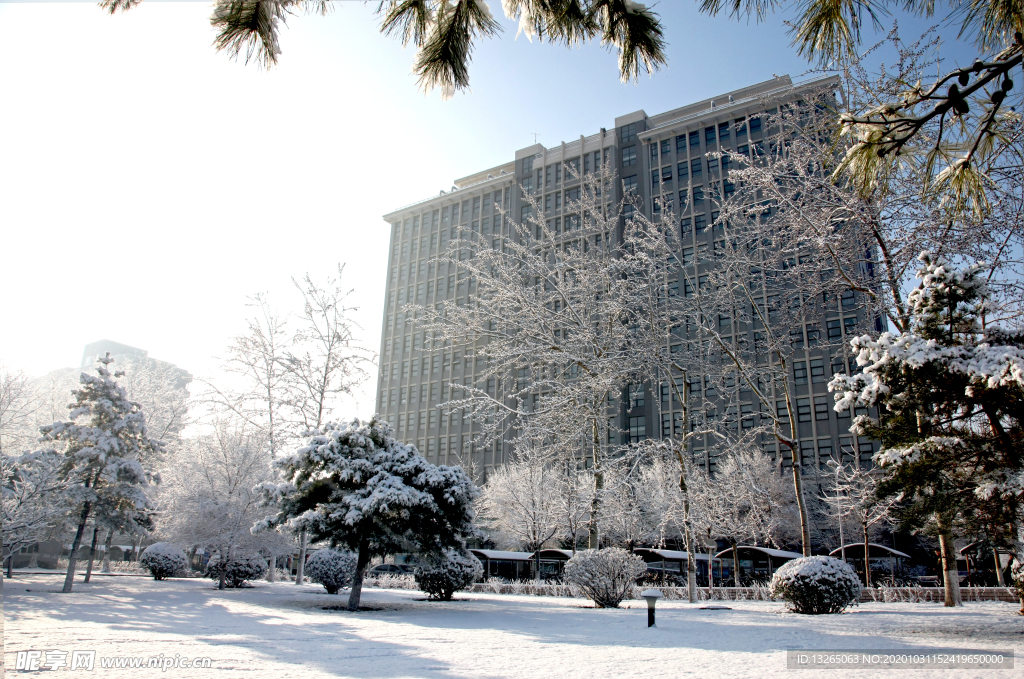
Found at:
(108, 543)
(272, 569)
(92, 553)
(357, 580)
(951, 577)
(798, 489)
(536, 558)
(735, 563)
(999, 568)
(302, 557)
(867, 552)
(595, 507)
(225, 560)
(69, 579)
(711, 573)
(10, 565)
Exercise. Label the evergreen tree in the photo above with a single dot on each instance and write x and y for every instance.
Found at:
(950, 396)
(108, 458)
(357, 487)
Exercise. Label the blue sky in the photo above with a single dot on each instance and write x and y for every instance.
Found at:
(149, 184)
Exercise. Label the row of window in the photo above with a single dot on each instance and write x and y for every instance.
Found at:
(713, 135)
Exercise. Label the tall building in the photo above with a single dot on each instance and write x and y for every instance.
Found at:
(654, 156)
(124, 354)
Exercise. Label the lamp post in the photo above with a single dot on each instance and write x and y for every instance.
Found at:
(652, 596)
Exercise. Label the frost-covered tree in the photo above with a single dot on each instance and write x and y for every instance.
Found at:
(574, 491)
(355, 486)
(853, 493)
(211, 498)
(34, 499)
(951, 391)
(323, 360)
(262, 389)
(549, 326)
(18, 404)
(109, 457)
(779, 264)
(948, 119)
(520, 501)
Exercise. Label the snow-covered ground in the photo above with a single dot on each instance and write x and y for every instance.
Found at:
(280, 630)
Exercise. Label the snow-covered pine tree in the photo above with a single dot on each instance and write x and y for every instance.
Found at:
(357, 487)
(106, 458)
(951, 391)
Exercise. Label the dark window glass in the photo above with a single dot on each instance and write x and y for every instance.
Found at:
(723, 131)
(681, 144)
(628, 155)
(628, 133)
(709, 135)
(694, 139)
(696, 169)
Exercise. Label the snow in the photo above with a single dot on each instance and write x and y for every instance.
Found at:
(780, 553)
(508, 556)
(281, 631)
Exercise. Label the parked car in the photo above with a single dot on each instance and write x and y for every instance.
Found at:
(393, 569)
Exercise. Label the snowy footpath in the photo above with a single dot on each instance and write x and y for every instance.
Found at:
(280, 631)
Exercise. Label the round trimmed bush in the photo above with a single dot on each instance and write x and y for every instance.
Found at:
(815, 585)
(331, 568)
(243, 567)
(441, 574)
(1017, 574)
(606, 576)
(163, 560)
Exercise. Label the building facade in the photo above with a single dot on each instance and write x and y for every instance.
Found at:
(664, 159)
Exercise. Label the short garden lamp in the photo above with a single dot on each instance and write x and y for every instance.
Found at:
(652, 596)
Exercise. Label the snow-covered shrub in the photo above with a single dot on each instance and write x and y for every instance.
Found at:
(816, 585)
(243, 567)
(162, 560)
(331, 568)
(442, 574)
(606, 576)
(1017, 574)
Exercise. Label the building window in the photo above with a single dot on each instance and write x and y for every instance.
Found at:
(628, 155)
(655, 179)
(628, 133)
(755, 125)
(696, 169)
(803, 410)
(723, 131)
(629, 183)
(817, 370)
(666, 174)
(850, 325)
(682, 171)
(834, 330)
(741, 129)
(666, 146)
(636, 396)
(681, 144)
(700, 222)
(527, 165)
(654, 153)
(637, 429)
(695, 139)
(821, 407)
(800, 372)
(709, 135)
